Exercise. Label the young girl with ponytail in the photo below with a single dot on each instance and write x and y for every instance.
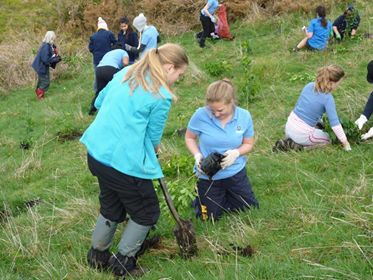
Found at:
(122, 143)
(317, 33)
(316, 99)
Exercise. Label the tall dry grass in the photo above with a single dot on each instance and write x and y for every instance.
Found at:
(76, 20)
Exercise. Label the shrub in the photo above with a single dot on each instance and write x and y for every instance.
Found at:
(351, 130)
(218, 68)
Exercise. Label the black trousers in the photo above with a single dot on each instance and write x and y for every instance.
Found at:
(121, 194)
(368, 110)
(104, 74)
(208, 28)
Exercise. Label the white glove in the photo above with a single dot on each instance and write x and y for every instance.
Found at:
(347, 147)
(198, 158)
(367, 135)
(361, 121)
(230, 158)
(213, 19)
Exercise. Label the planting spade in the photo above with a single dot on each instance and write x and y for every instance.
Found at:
(184, 231)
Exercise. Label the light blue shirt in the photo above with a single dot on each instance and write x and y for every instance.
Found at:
(321, 34)
(311, 105)
(113, 58)
(149, 38)
(213, 137)
(213, 5)
(127, 128)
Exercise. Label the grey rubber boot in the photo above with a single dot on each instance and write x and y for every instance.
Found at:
(103, 234)
(132, 238)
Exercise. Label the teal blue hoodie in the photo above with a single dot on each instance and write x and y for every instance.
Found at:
(127, 128)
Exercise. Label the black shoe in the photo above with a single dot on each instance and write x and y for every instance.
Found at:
(292, 145)
(98, 259)
(320, 125)
(122, 265)
(148, 243)
(280, 146)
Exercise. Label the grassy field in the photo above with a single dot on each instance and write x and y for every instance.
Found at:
(315, 219)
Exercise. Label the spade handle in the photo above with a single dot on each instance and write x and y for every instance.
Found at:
(169, 201)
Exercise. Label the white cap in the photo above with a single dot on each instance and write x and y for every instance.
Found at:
(139, 22)
(101, 24)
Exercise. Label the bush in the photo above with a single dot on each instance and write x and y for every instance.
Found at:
(351, 130)
(218, 68)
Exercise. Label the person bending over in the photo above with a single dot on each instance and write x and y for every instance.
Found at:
(122, 143)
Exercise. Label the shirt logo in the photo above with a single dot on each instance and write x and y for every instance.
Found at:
(239, 130)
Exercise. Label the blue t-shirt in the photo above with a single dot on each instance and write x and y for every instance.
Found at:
(321, 34)
(113, 58)
(127, 128)
(149, 38)
(213, 5)
(311, 105)
(213, 137)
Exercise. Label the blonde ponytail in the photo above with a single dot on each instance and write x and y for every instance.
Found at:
(148, 72)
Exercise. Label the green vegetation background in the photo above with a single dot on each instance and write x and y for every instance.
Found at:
(315, 216)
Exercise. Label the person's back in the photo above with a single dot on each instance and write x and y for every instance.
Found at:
(311, 105)
(113, 58)
(321, 34)
(149, 38)
(101, 43)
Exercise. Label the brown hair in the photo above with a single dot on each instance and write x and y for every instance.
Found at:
(221, 91)
(327, 76)
(148, 71)
(321, 12)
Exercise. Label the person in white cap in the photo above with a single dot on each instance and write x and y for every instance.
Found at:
(100, 43)
(368, 110)
(149, 36)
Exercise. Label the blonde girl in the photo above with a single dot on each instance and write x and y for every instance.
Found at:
(316, 99)
(122, 142)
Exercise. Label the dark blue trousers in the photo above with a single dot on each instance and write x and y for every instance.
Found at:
(225, 195)
(368, 110)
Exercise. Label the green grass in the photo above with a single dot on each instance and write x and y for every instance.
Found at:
(315, 216)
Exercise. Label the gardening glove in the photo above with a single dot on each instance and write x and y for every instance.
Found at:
(198, 159)
(128, 47)
(230, 158)
(213, 19)
(361, 121)
(338, 36)
(347, 147)
(367, 135)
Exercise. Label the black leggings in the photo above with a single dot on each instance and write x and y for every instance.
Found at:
(104, 74)
(208, 28)
(368, 110)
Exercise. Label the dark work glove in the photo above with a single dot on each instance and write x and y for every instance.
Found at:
(212, 164)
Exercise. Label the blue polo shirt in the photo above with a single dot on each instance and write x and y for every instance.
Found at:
(321, 34)
(149, 38)
(213, 5)
(127, 128)
(311, 105)
(213, 137)
(113, 58)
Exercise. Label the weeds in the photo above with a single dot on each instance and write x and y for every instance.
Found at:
(351, 130)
